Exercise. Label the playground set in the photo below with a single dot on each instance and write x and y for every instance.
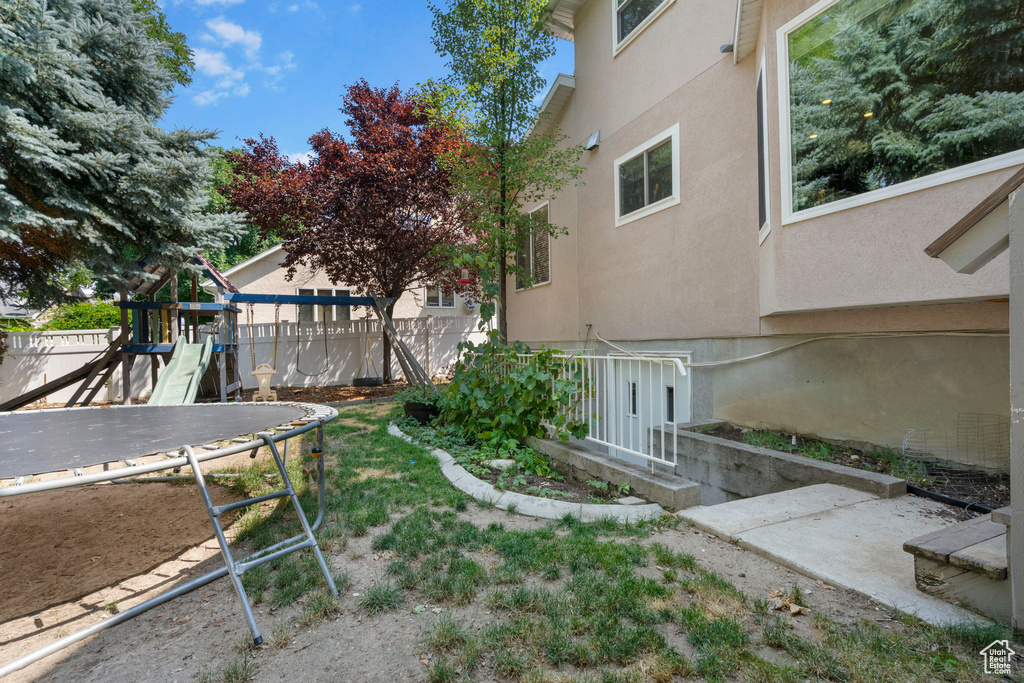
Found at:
(171, 432)
(195, 366)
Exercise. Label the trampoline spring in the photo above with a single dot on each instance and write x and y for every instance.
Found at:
(78, 471)
(210, 447)
(130, 463)
(19, 481)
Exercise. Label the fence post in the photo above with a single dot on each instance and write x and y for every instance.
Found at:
(426, 344)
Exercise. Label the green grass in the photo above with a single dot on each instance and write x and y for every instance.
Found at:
(592, 599)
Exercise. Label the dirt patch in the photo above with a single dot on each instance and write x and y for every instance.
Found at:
(202, 631)
(546, 487)
(335, 394)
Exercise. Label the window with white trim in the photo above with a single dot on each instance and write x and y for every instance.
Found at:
(632, 16)
(884, 97)
(647, 178)
(309, 313)
(533, 255)
(440, 298)
(763, 216)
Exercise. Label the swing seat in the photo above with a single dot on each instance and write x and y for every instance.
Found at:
(368, 381)
(263, 373)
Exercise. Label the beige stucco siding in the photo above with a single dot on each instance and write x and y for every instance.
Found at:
(696, 270)
(864, 256)
(268, 276)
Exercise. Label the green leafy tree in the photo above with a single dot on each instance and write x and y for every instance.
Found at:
(88, 179)
(494, 50)
(175, 55)
(882, 93)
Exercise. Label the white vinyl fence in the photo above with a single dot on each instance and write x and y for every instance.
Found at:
(304, 360)
(34, 358)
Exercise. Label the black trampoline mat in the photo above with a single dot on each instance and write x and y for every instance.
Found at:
(35, 442)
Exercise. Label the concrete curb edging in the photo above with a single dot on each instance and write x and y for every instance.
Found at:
(531, 506)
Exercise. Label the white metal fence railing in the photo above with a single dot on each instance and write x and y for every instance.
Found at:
(621, 399)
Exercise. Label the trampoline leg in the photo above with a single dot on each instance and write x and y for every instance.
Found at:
(299, 511)
(229, 561)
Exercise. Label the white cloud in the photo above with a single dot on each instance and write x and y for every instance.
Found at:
(293, 8)
(227, 33)
(300, 157)
(208, 97)
(355, 9)
(218, 2)
(215, 64)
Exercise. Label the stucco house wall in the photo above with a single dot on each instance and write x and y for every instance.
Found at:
(694, 278)
(266, 274)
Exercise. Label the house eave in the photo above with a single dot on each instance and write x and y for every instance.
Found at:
(206, 284)
(561, 17)
(748, 28)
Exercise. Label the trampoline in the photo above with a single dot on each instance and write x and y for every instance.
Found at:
(67, 441)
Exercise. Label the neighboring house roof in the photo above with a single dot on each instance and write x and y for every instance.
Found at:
(748, 26)
(12, 311)
(245, 264)
(562, 17)
(982, 234)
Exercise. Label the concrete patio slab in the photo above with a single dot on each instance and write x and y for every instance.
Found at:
(727, 520)
(860, 547)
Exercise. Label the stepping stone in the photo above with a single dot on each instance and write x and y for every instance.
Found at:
(631, 500)
(501, 464)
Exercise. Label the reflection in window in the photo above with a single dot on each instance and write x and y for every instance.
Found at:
(631, 13)
(885, 91)
(645, 179)
(437, 298)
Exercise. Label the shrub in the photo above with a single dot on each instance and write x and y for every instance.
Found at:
(503, 394)
(84, 316)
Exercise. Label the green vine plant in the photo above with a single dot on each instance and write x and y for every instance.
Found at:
(503, 394)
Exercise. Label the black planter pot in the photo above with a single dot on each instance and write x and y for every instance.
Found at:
(421, 412)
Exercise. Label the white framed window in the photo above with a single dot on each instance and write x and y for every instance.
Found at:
(647, 178)
(881, 98)
(764, 225)
(534, 253)
(631, 17)
(309, 313)
(670, 404)
(440, 298)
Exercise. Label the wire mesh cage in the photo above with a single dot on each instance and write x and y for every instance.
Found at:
(969, 462)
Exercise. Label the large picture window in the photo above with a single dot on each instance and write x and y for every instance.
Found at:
(647, 178)
(889, 96)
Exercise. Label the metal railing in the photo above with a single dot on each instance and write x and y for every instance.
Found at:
(621, 399)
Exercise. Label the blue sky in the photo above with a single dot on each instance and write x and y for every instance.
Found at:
(279, 66)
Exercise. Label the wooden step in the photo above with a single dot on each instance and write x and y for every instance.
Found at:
(987, 557)
(939, 545)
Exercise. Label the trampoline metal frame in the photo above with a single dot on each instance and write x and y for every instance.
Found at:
(232, 568)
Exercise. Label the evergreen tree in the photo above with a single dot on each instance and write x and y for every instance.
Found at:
(942, 82)
(88, 179)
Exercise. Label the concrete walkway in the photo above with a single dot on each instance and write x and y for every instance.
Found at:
(841, 536)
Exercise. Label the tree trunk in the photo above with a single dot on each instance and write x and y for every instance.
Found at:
(386, 370)
(503, 299)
